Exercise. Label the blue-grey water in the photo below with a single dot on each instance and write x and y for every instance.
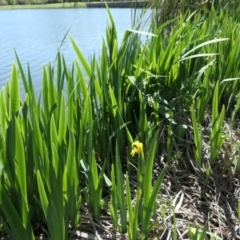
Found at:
(37, 34)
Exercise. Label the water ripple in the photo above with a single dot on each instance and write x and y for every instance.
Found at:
(37, 34)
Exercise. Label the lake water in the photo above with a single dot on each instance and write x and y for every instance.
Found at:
(37, 34)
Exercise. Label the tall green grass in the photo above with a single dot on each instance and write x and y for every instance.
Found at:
(70, 146)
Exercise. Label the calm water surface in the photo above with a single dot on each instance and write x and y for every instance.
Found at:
(37, 34)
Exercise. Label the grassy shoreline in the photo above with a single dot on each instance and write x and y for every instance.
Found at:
(43, 6)
(149, 148)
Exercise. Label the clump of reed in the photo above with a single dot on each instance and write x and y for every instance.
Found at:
(166, 10)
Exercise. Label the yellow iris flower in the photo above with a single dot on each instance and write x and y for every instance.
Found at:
(137, 147)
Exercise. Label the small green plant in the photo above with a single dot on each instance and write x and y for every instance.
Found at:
(216, 137)
(238, 164)
(238, 208)
(146, 194)
(169, 143)
(117, 207)
(197, 234)
(197, 140)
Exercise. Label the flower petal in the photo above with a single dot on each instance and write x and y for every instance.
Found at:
(133, 152)
(137, 147)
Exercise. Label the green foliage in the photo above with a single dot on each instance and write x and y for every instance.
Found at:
(57, 150)
(166, 10)
(117, 196)
(197, 140)
(149, 192)
(197, 234)
(216, 138)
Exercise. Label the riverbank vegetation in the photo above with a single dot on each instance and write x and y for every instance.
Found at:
(26, 4)
(142, 143)
(43, 6)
